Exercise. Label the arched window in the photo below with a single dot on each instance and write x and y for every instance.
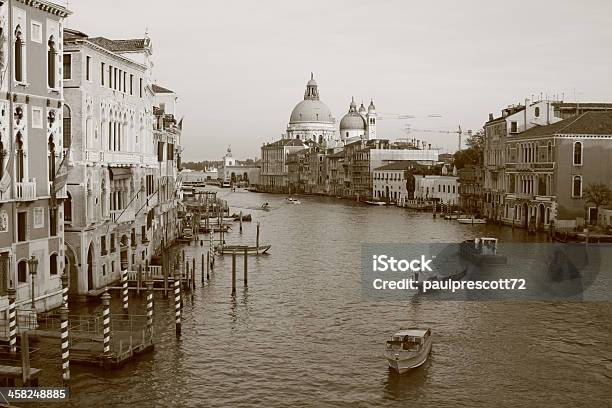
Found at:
(53, 264)
(51, 57)
(51, 153)
(549, 152)
(22, 271)
(577, 186)
(67, 128)
(20, 165)
(577, 153)
(537, 111)
(18, 54)
(68, 208)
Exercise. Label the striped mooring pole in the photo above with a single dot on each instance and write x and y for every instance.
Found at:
(177, 301)
(124, 290)
(65, 344)
(65, 289)
(212, 252)
(106, 321)
(12, 311)
(149, 284)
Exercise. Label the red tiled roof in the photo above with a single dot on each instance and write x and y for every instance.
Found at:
(159, 89)
(136, 44)
(588, 123)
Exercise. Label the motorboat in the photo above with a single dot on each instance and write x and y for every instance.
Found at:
(376, 203)
(471, 220)
(408, 349)
(239, 249)
(226, 184)
(291, 200)
(482, 251)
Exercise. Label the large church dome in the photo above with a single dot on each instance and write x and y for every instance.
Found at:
(311, 109)
(352, 120)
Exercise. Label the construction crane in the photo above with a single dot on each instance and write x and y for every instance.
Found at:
(401, 116)
(459, 132)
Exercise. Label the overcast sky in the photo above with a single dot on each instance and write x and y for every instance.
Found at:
(240, 67)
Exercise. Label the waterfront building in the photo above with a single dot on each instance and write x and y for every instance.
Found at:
(274, 168)
(515, 120)
(443, 189)
(33, 152)
(470, 179)
(167, 141)
(124, 147)
(549, 167)
(233, 171)
(336, 177)
(199, 176)
(391, 182)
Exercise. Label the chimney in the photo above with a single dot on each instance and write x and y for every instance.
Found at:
(490, 117)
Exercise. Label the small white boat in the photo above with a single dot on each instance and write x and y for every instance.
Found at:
(376, 203)
(291, 200)
(471, 220)
(408, 349)
(226, 184)
(482, 251)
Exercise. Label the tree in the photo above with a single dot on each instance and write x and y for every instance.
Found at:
(474, 154)
(598, 194)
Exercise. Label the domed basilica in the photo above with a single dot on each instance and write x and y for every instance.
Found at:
(311, 120)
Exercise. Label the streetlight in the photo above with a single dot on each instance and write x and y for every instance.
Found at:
(33, 266)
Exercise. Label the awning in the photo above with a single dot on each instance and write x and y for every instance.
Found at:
(120, 173)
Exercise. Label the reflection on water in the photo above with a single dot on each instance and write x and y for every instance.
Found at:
(303, 335)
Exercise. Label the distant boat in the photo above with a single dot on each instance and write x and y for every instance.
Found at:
(482, 251)
(228, 249)
(291, 200)
(245, 217)
(376, 203)
(471, 220)
(226, 184)
(408, 349)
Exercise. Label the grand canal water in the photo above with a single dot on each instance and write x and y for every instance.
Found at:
(302, 334)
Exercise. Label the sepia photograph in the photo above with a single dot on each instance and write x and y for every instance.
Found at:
(341, 203)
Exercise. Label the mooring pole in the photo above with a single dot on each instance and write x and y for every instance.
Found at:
(257, 240)
(212, 252)
(193, 274)
(12, 313)
(187, 282)
(65, 343)
(65, 284)
(25, 358)
(106, 322)
(124, 290)
(207, 265)
(203, 267)
(177, 301)
(246, 265)
(234, 272)
(166, 268)
(241, 221)
(149, 285)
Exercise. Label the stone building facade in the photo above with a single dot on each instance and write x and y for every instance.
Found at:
(32, 152)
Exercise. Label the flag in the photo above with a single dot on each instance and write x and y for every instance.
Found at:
(5, 182)
(61, 176)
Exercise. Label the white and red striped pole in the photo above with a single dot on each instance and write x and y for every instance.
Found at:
(65, 344)
(106, 321)
(177, 300)
(124, 290)
(64, 289)
(149, 284)
(12, 314)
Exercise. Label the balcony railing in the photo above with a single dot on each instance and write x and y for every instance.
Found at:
(125, 215)
(25, 190)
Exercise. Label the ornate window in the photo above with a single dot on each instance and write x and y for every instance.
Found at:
(20, 158)
(66, 119)
(51, 57)
(18, 55)
(577, 153)
(577, 186)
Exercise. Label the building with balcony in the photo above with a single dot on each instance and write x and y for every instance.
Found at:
(274, 168)
(32, 152)
(117, 179)
(548, 169)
